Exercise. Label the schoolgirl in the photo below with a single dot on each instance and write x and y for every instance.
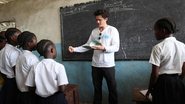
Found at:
(28, 42)
(168, 65)
(8, 56)
(48, 76)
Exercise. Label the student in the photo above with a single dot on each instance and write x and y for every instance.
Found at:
(8, 58)
(168, 65)
(2, 44)
(103, 60)
(48, 76)
(2, 39)
(28, 42)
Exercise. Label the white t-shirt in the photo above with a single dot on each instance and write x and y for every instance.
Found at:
(8, 56)
(110, 40)
(47, 76)
(23, 66)
(169, 55)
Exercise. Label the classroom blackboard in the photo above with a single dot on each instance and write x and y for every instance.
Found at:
(134, 20)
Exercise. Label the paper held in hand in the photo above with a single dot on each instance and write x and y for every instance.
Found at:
(144, 93)
(91, 44)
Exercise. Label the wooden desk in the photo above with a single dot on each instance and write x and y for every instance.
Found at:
(71, 94)
(139, 98)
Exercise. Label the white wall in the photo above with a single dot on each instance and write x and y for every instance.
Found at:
(41, 17)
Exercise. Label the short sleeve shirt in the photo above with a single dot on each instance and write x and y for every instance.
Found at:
(47, 76)
(23, 65)
(8, 56)
(169, 55)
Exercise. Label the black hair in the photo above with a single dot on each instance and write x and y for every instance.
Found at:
(43, 46)
(101, 12)
(10, 32)
(25, 37)
(2, 36)
(167, 24)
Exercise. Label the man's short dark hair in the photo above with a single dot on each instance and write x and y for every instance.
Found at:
(101, 12)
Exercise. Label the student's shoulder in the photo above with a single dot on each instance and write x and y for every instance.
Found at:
(30, 55)
(11, 50)
(59, 64)
(180, 42)
(158, 46)
(53, 62)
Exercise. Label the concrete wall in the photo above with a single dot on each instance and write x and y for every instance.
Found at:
(42, 17)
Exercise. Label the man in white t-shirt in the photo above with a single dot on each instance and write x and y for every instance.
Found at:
(107, 42)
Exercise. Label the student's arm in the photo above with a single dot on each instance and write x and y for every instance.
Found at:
(62, 88)
(13, 69)
(13, 59)
(153, 79)
(183, 71)
(31, 90)
(62, 78)
(30, 81)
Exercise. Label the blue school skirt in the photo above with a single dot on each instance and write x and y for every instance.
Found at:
(9, 92)
(169, 89)
(27, 98)
(57, 98)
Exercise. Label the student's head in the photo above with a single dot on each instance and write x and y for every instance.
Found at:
(46, 48)
(2, 39)
(164, 27)
(27, 41)
(11, 35)
(101, 16)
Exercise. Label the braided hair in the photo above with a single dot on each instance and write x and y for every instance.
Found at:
(10, 32)
(24, 38)
(2, 36)
(43, 46)
(167, 24)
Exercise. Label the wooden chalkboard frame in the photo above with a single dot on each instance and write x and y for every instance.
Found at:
(133, 19)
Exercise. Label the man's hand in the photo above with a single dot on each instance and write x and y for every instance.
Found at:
(71, 49)
(98, 47)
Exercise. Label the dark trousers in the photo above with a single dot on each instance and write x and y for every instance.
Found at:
(57, 98)
(97, 76)
(9, 92)
(169, 89)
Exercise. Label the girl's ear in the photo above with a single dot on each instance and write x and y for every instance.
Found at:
(29, 45)
(52, 50)
(12, 38)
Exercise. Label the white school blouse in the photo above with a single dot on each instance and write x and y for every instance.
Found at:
(8, 56)
(110, 40)
(169, 55)
(23, 66)
(47, 76)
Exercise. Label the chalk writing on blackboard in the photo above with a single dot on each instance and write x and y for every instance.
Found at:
(134, 20)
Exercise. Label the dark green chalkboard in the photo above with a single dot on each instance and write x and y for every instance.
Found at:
(134, 20)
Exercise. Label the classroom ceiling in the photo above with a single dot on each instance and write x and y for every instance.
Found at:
(5, 1)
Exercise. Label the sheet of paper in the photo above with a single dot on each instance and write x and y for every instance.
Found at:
(91, 44)
(144, 93)
(88, 47)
